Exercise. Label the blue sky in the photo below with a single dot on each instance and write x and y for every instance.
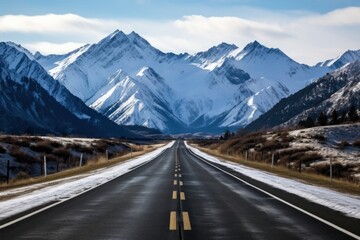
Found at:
(164, 9)
(302, 29)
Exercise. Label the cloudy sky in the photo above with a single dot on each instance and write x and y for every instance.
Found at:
(309, 31)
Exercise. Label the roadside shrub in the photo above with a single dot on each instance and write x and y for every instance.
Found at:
(339, 170)
(55, 144)
(308, 158)
(20, 156)
(80, 148)
(22, 176)
(273, 145)
(343, 144)
(356, 143)
(42, 147)
(51, 158)
(100, 146)
(62, 153)
(23, 142)
(319, 137)
(2, 149)
(9, 140)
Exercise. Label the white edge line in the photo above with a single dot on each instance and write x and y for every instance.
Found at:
(67, 199)
(279, 199)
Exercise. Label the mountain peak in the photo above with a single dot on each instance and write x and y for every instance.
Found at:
(256, 49)
(340, 61)
(133, 35)
(138, 40)
(214, 54)
(254, 45)
(117, 34)
(21, 49)
(225, 45)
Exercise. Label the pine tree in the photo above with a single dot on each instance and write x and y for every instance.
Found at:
(342, 118)
(322, 119)
(352, 114)
(309, 122)
(334, 117)
(227, 135)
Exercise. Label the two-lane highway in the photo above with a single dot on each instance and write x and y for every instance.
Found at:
(175, 196)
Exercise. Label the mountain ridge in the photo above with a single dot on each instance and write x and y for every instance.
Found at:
(223, 87)
(16, 66)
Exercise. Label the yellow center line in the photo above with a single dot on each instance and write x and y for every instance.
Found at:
(174, 195)
(172, 221)
(175, 182)
(181, 183)
(186, 220)
(182, 195)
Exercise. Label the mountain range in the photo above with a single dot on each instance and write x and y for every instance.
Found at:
(338, 90)
(130, 82)
(32, 101)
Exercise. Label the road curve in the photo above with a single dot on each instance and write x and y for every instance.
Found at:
(177, 196)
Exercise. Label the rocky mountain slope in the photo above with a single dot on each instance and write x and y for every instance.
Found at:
(335, 91)
(31, 99)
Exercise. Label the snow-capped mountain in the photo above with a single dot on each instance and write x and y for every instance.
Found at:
(20, 70)
(342, 60)
(27, 108)
(334, 91)
(131, 82)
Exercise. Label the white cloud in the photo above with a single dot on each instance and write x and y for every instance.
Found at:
(339, 17)
(306, 37)
(52, 48)
(53, 23)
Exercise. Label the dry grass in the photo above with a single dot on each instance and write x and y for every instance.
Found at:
(308, 177)
(356, 143)
(21, 156)
(91, 165)
(42, 147)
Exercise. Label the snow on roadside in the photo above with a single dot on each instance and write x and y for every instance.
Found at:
(329, 148)
(59, 190)
(345, 203)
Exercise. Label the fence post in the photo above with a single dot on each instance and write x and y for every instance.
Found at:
(81, 159)
(246, 155)
(8, 172)
(45, 170)
(107, 155)
(289, 162)
(331, 172)
(300, 166)
(272, 159)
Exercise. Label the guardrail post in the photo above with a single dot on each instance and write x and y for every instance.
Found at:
(272, 159)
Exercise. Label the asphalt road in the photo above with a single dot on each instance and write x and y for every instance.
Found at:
(178, 196)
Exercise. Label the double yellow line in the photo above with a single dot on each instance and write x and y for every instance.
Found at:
(173, 214)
